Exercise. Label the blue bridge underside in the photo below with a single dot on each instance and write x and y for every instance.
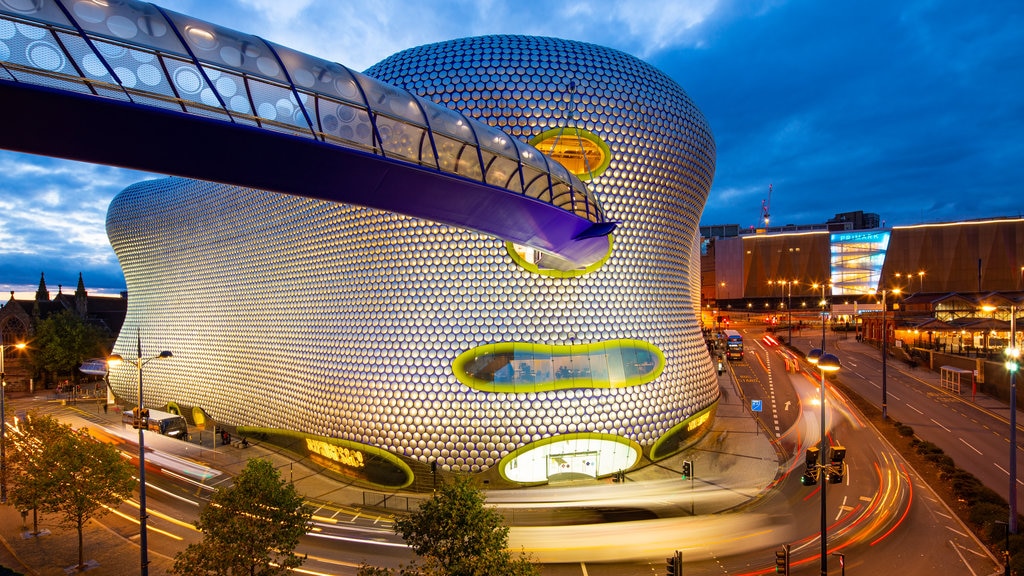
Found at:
(64, 124)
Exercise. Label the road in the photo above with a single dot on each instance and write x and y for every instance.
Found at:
(723, 521)
(972, 430)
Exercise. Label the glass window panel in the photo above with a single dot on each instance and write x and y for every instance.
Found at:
(504, 172)
(276, 103)
(345, 122)
(387, 99)
(449, 122)
(228, 48)
(399, 138)
(616, 371)
(536, 184)
(449, 151)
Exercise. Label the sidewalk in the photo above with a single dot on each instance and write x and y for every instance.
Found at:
(734, 456)
(984, 401)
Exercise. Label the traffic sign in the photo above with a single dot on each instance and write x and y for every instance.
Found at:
(755, 405)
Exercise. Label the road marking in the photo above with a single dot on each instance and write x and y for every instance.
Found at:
(915, 409)
(980, 453)
(842, 508)
(940, 425)
(953, 530)
(962, 559)
(786, 409)
(583, 567)
(894, 396)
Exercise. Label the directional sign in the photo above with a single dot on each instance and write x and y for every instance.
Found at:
(755, 405)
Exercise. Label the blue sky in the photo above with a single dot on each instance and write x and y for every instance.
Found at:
(913, 110)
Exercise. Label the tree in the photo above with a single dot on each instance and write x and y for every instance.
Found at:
(68, 472)
(251, 527)
(62, 341)
(457, 535)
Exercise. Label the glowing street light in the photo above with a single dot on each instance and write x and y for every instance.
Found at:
(825, 363)
(885, 344)
(141, 414)
(3, 421)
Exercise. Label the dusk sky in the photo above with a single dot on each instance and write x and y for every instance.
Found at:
(913, 110)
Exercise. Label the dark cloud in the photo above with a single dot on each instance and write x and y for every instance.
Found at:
(910, 110)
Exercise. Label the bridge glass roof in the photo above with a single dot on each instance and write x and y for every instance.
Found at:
(140, 53)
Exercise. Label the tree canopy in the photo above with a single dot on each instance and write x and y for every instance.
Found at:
(66, 471)
(62, 341)
(251, 527)
(455, 534)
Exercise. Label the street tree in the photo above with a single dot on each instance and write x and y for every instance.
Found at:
(30, 473)
(68, 472)
(62, 341)
(249, 528)
(455, 534)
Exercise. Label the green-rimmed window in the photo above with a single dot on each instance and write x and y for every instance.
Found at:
(537, 262)
(525, 367)
(581, 152)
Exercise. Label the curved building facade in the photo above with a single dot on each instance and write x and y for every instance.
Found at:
(389, 347)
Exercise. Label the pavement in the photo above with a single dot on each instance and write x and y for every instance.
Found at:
(735, 448)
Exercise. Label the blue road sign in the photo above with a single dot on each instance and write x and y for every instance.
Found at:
(755, 405)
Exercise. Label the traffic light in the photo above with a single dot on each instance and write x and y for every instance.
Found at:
(837, 466)
(782, 560)
(674, 564)
(687, 469)
(810, 476)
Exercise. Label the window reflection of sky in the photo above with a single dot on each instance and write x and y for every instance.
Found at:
(615, 364)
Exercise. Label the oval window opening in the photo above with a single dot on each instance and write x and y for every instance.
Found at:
(582, 153)
(517, 367)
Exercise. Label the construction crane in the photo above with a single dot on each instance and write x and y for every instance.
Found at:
(765, 204)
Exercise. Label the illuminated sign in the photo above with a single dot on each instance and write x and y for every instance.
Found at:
(696, 422)
(339, 454)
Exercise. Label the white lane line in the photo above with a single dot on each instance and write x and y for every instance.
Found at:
(962, 559)
(1005, 471)
(940, 425)
(968, 444)
(915, 409)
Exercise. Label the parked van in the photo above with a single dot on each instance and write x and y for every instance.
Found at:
(164, 423)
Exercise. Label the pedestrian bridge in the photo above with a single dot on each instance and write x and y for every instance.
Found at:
(130, 84)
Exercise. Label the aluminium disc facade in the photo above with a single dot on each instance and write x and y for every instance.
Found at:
(390, 342)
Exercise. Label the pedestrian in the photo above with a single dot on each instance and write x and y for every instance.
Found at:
(104, 407)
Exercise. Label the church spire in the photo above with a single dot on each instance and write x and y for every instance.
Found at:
(42, 294)
(81, 298)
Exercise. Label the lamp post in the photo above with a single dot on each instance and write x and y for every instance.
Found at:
(3, 421)
(1012, 364)
(824, 303)
(885, 342)
(825, 363)
(921, 276)
(140, 423)
(788, 306)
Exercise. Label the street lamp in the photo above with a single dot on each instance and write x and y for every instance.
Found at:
(1012, 365)
(921, 276)
(3, 421)
(825, 363)
(885, 343)
(824, 303)
(141, 413)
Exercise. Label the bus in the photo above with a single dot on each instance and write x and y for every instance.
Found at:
(733, 344)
